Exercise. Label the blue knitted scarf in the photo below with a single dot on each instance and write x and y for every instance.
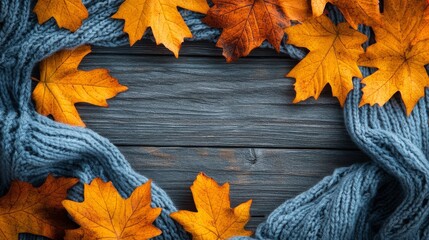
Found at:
(386, 198)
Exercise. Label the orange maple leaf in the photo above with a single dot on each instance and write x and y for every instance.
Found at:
(247, 23)
(104, 214)
(422, 31)
(354, 11)
(215, 218)
(162, 16)
(68, 13)
(400, 53)
(334, 51)
(62, 85)
(26, 209)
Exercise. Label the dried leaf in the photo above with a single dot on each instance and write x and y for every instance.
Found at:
(400, 53)
(247, 23)
(162, 16)
(62, 85)
(215, 218)
(69, 14)
(104, 214)
(26, 209)
(423, 29)
(354, 11)
(334, 51)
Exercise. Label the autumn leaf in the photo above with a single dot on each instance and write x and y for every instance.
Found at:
(215, 218)
(400, 53)
(354, 11)
(334, 51)
(104, 214)
(422, 31)
(74, 234)
(247, 23)
(69, 14)
(26, 209)
(168, 26)
(61, 85)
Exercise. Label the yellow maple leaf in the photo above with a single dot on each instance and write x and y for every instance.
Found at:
(422, 31)
(61, 85)
(68, 13)
(334, 51)
(168, 26)
(400, 53)
(215, 218)
(26, 209)
(354, 11)
(247, 23)
(104, 214)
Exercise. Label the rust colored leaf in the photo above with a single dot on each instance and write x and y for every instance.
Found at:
(162, 17)
(104, 214)
(334, 51)
(247, 23)
(26, 209)
(69, 14)
(354, 11)
(400, 53)
(215, 218)
(62, 85)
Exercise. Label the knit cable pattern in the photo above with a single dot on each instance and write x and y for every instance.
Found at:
(32, 145)
(386, 198)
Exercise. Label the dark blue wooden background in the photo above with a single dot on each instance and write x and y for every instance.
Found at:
(235, 122)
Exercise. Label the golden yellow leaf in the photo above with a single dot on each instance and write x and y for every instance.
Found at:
(296, 10)
(69, 14)
(26, 209)
(104, 214)
(215, 218)
(400, 53)
(334, 51)
(168, 26)
(62, 85)
(354, 11)
(423, 30)
(247, 23)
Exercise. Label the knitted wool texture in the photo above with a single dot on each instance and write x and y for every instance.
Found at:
(386, 198)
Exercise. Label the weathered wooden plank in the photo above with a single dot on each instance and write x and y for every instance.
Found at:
(268, 176)
(200, 101)
(189, 48)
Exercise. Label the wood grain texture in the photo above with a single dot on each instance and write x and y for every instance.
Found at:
(268, 176)
(189, 48)
(203, 101)
(235, 122)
